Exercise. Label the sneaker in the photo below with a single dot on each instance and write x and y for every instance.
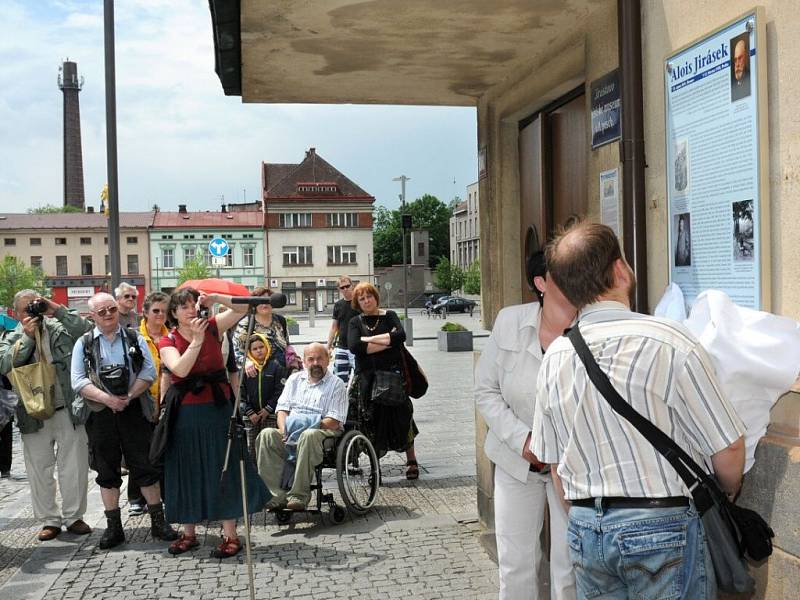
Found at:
(136, 508)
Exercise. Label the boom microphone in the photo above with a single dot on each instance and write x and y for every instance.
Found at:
(276, 300)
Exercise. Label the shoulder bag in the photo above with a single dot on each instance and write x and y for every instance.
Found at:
(731, 531)
(388, 387)
(35, 383)
(414, 380)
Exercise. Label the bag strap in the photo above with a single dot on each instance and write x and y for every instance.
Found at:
(689, 471)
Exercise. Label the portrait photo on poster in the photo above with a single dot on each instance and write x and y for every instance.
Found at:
(683, 240)
(681, 166)
(742, 214)
(740, 66)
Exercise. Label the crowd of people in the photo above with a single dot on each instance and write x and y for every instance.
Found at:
(120, 375)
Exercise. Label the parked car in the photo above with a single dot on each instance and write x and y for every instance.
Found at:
(454, 304)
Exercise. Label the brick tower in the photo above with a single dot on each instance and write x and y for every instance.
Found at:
(71, 85)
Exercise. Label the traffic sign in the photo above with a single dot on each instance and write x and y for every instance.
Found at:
(218, 261)
(218, 247)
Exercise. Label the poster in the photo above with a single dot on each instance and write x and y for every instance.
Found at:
(609, 200)
(714, 163)
(606, 109)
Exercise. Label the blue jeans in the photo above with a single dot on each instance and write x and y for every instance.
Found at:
(640, 553)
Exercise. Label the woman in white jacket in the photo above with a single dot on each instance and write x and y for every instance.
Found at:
(505, 381)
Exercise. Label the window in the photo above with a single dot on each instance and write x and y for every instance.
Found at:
(208, 236)
(229, 258)
(331, 295)
(290, 291)
(341, 255)
(10, 241)
(247, 236)
(168, 258)
(166, 237)
(61, 266)
(208, 258)
(188, 236)
(420, 248)
(294, 220)
(296, 255)
(107, 264)
(36, 261)
(133, 264)
(61, 241)
(36, 241)
(105, 240)
(133, 239)
(86, 241)
(86, 265)
(189, 254)
(342, 219)
(249, 257)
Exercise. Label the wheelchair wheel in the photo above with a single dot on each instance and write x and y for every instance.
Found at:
(283, 516)
(337, 514)
(357, 472)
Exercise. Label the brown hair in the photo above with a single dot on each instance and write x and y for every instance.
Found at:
(152, 298)
(262, 291)
(365, 288)
(581, 261)
(179, 298)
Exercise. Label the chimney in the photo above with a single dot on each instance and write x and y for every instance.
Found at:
(182, 208)
(70, 84)
(224, 208)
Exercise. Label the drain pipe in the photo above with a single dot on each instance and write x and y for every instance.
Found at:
(634, 218)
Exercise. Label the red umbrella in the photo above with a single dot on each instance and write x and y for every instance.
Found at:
(216, 286)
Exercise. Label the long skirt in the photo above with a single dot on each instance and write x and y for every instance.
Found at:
(193, 465)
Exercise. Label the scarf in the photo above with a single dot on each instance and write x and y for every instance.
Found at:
(267, 345)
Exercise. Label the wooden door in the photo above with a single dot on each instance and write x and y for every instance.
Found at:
(567, 155)
(531, 184)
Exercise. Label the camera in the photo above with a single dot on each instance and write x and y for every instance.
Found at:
(202, 312)
(115, 379)
(37, 308)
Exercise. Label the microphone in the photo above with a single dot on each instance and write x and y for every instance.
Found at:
(276, 300)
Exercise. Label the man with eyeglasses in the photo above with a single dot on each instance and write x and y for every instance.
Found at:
(113, 377)
(343, 311)
(127, 297)
(55, 447)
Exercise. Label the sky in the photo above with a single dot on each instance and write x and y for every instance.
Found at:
(180, 139)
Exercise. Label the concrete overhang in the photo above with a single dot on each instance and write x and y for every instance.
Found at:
(426, 52)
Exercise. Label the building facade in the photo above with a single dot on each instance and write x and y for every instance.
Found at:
(72, 251)
(178, 237)
(318, 226)
(465, 230)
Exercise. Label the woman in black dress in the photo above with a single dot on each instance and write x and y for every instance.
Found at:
(376, 338)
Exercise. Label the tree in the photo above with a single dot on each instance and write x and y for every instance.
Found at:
(453, 204)
(472, 279)
(50, 209)
(427, 212)
(15, 275)
(195, 268)
(448, 276)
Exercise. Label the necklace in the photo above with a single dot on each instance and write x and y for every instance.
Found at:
(374, 327)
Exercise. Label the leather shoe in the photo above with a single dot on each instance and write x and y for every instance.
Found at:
(295, 504)
(79, 527)
(48, 533)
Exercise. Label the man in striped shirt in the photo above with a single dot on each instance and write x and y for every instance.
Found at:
(634, 531)
(314, 400)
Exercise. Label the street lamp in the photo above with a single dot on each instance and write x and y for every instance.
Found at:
(402, 179)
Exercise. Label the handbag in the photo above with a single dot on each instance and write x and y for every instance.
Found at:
(414, 380)
(35, 383)
(161, 432)
(731, 531)
(388, 389)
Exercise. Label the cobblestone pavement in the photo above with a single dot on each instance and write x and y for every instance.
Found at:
(420, 541)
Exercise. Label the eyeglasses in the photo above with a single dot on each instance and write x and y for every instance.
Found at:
(130, 296)
(345, 287)
(157, 311)
(101, 312)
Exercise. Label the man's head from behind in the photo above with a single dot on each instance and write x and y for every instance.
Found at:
(315, 360)
(586, 264)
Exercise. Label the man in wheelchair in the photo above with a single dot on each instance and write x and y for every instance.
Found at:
(312, 407)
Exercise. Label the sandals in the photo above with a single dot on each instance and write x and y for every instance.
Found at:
(183, 544)
(412, 472)
(229, 547)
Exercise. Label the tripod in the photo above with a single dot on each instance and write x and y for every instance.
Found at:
(236, 432)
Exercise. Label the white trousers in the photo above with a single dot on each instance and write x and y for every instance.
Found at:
(57, 445)
(519, 516)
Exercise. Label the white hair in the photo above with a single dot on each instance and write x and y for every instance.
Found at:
(23, 294)
(97, 297)
(123, 287)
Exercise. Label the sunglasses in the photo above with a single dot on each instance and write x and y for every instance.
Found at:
(345, 287)
(101, 312)
(130, 296)
(157, 311)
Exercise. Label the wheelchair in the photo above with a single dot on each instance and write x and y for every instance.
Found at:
(353, 457)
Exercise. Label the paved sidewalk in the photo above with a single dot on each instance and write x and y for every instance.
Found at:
(419, 542)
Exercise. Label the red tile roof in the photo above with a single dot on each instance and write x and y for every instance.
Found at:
(251, 219)
(132, 220)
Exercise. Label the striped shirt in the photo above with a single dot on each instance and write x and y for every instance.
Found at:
(326, 398)
(657, 366)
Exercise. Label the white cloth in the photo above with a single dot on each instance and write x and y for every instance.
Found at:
(63, 446)
(518, 515)
(326, 398)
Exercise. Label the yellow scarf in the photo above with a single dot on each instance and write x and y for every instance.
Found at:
(267, 345)
(151, 345)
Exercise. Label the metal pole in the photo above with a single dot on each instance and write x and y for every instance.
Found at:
(402, 179)
(111, 146)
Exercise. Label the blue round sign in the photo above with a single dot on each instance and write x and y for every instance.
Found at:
(218, 247)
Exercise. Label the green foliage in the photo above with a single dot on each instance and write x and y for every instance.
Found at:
(453, 204)
(193, 269)
(447, 276)
(50, 209)
(451, 327)
(472, 279)
(15, 275)
(291, 321)
(427, 212)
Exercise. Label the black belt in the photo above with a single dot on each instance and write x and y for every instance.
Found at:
(623, 502)
(540, 468)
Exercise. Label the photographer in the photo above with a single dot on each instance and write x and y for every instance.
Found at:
(112, 369)
(60, 440)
